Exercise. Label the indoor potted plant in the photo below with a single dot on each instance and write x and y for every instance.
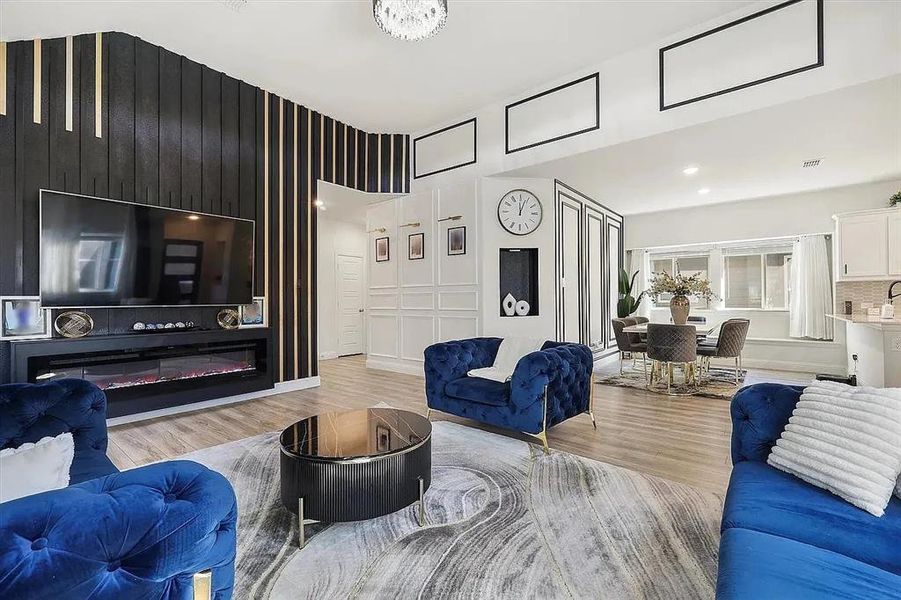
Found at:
(681, 287)
(627, 304)
(895, 200)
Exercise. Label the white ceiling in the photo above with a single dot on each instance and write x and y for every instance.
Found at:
(330, 55)
(856, 130)
(346, 204)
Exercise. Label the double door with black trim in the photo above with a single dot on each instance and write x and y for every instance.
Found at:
(589, 255)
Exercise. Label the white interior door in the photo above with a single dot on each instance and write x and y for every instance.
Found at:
(594, 255)
(350, 304)
(614, 264)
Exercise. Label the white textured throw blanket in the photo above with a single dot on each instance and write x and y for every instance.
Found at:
(846, 440)
(509, 353)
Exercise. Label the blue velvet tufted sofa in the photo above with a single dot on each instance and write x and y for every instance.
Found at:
(563, 370)
(143, 533)
(783, 538)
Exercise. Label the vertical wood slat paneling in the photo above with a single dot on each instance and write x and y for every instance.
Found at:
(191, 135)
(121, 109)
(94, 150)
(230, 143)
(211, 140)
(8, 195)
(158, 128)
(147, 123)
(170, 129)
(64, 142)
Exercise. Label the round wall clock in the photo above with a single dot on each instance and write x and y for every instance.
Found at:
(519, 212)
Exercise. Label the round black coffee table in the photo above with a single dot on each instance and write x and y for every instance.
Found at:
(356, 464)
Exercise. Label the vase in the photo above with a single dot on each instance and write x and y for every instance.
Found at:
(509, 305)
(522, 308)
(679, 307)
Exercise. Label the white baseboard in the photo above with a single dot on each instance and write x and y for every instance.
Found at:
(396, 365)
(285, 386)
(328, 355)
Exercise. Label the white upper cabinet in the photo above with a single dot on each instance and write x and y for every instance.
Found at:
(869, 245)
(894, 243)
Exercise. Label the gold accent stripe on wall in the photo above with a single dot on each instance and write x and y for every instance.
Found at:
(266, 291)
(296, 279)
(281, 239)
(37, 82)
(70, 51)
(2, 78)
(98, 84)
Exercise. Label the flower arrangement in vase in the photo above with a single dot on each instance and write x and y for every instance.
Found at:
(681, 287)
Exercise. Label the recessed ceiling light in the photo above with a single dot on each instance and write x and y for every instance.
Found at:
(318, 203)
(193, 217)
(703, 191)
(690, 170)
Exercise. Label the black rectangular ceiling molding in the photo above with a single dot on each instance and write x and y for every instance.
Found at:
(819, 62)
(597, 122)
(475, 137)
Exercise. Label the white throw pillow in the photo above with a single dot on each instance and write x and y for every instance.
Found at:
(846, 440)
(36, 467)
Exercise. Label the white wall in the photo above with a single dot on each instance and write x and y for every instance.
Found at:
(861, 44)
(335, 238)
(792, 214)
(494, 237)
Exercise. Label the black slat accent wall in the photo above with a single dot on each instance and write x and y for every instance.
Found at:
(175, 133)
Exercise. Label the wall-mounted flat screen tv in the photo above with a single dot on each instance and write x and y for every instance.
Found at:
(107, 253)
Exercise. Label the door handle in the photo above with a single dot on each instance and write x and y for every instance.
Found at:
(846, 268)
(361, 310)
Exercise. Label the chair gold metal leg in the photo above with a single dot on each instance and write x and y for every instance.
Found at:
(543, 438)
(591, 400)
(622, 357)
(428, 414)
(736, 370)
(421, 512)
(301, 535)
(203, 585)
(644, 359)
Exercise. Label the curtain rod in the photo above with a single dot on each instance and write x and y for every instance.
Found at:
(784, 238)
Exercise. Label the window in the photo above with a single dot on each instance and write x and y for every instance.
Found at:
(758, 280)
(686, 265)
(98, 263)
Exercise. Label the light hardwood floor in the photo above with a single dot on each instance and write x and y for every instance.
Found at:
(679, 438)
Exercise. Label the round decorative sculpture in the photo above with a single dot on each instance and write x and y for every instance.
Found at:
(73, 324)
(228, 318)
(522, 308)
(139, 326)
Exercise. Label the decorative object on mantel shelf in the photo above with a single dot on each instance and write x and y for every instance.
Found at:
(73, 324)
(410, 20)
(253, 314)
(895, 200)
(627, 304)
(22, 318)
(228, 318)
(681, 287)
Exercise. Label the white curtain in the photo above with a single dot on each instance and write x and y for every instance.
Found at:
(811, 289)
(641, 262)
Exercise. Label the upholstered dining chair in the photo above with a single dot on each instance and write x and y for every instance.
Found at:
(629, 343)
(670, 345)
(729, 344)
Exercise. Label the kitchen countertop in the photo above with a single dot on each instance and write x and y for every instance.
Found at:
(876, 322)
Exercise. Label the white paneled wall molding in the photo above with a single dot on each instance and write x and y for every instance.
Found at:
(415, 302)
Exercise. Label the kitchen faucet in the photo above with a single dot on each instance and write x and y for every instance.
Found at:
(892, 296)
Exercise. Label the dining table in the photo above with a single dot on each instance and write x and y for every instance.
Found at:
(703, 329)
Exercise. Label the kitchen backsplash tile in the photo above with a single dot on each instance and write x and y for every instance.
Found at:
(858, 292)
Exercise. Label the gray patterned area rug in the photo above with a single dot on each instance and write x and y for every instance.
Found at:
(719, 382)
(504, 520)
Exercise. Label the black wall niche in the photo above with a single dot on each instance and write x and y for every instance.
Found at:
(167, 131)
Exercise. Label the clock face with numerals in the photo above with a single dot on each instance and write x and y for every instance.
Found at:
(519, 212)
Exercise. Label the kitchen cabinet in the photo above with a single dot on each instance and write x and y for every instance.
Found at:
(894, 243)
(868, 245)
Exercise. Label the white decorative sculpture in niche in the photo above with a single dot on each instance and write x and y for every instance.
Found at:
(509, 305)
(522, 308)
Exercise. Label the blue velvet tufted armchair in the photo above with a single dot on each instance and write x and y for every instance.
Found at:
(163, 531)
(547, 387)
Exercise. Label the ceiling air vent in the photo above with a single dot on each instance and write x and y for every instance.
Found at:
(813, 162)
(235, 5)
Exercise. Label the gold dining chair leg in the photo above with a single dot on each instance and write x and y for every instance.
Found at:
(644, 359)
(736, 370)
(622, 358)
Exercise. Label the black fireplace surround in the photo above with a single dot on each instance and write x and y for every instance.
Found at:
(147, 372)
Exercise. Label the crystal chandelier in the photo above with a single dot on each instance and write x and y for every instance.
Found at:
(410, 19)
